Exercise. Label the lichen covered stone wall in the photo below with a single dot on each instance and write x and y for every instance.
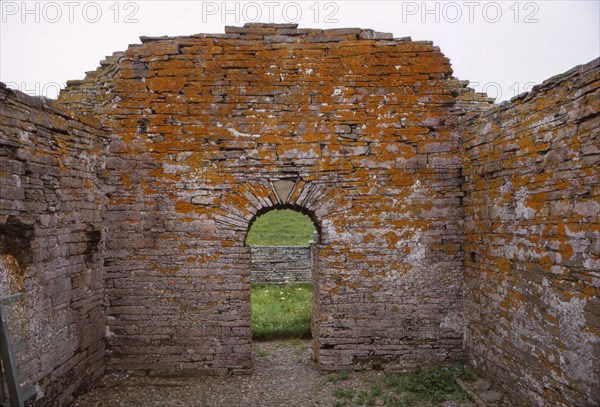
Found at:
(438, 227)
(349, 126)
(281, 264)
(52, 243)
(532, 241)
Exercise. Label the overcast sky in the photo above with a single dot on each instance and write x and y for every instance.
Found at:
(502, 47)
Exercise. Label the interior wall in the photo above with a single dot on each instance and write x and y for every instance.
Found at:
(532, 241)
(52, 242)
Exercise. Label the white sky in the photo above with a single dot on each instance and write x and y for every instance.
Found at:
(500, 46)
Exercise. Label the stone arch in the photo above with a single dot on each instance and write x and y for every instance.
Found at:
(318, 200)
(301, 196)
(293, 207)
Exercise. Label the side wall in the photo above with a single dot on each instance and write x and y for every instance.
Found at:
(281, 264)
(51, 244)
(532, 241)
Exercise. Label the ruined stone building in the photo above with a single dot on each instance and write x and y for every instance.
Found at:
(449, 228)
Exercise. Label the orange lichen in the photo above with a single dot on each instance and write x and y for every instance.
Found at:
(184, 207)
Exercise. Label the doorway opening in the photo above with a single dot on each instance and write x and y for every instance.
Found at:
(282, 245)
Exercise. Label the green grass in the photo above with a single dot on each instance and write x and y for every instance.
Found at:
(281, 311)
(283, 227)
(336, 377)
(426, 385)
(369, 397)
(421, 387)
(343, 393)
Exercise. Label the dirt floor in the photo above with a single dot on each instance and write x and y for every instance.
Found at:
(284, 375)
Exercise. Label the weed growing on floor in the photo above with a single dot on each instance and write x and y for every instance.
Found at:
(423, 386)
(261, 352)
(369, 397)
(428, 384)
(297, 342)
(334, 378)
(343, 393)
(431, 385)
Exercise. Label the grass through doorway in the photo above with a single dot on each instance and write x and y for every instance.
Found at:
(281, 311)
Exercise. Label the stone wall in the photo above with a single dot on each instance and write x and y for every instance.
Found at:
(52, 242)
(281, 264)
(532, 241)
(438, 229)
(349, 126)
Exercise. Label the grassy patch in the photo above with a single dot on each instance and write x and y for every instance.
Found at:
(369, 397)
(418, 388)
(343, 393)
(283, 227)
(260, 352)
(424, 386)
(336, 377)
(281, 311)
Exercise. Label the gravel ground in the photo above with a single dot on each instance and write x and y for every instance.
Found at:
(283, 375)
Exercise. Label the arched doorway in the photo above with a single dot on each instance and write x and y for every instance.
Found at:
(282, 241)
